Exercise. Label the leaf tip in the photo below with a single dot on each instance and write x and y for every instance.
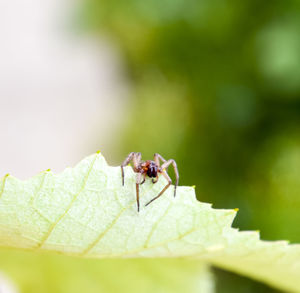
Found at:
(6, 175)
(236, 209)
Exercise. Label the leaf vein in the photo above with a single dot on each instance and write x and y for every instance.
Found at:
(163, 243)
(44, 239)
(154, 227)
(102, 234)
(110, 226)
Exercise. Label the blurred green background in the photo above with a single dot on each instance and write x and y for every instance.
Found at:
(215, 85)
(217, 88)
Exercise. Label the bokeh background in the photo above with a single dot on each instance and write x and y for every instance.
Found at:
(213, 84)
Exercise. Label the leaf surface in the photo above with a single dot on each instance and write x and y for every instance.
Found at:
(85, 211)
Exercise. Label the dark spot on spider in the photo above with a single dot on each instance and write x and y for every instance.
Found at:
(152, 170)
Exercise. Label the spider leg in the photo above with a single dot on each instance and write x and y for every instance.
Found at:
(143, 179)
(166, 165)
(155, 180)
(125, 163)
(137, 196)
(136, 158)
(158, 157)
(138, 182)
(164, 189)
(136, 161)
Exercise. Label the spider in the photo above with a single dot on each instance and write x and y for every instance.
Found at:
(150, 169)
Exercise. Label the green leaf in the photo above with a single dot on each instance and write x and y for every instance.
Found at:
(85, 211)
(40, 272)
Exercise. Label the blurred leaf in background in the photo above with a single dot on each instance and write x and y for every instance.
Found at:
(51, 273)
(216, 87)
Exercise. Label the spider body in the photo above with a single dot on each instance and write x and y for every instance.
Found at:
(152, 169)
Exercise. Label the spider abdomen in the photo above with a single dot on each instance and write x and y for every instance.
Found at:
(152, 172)
(151, 169)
